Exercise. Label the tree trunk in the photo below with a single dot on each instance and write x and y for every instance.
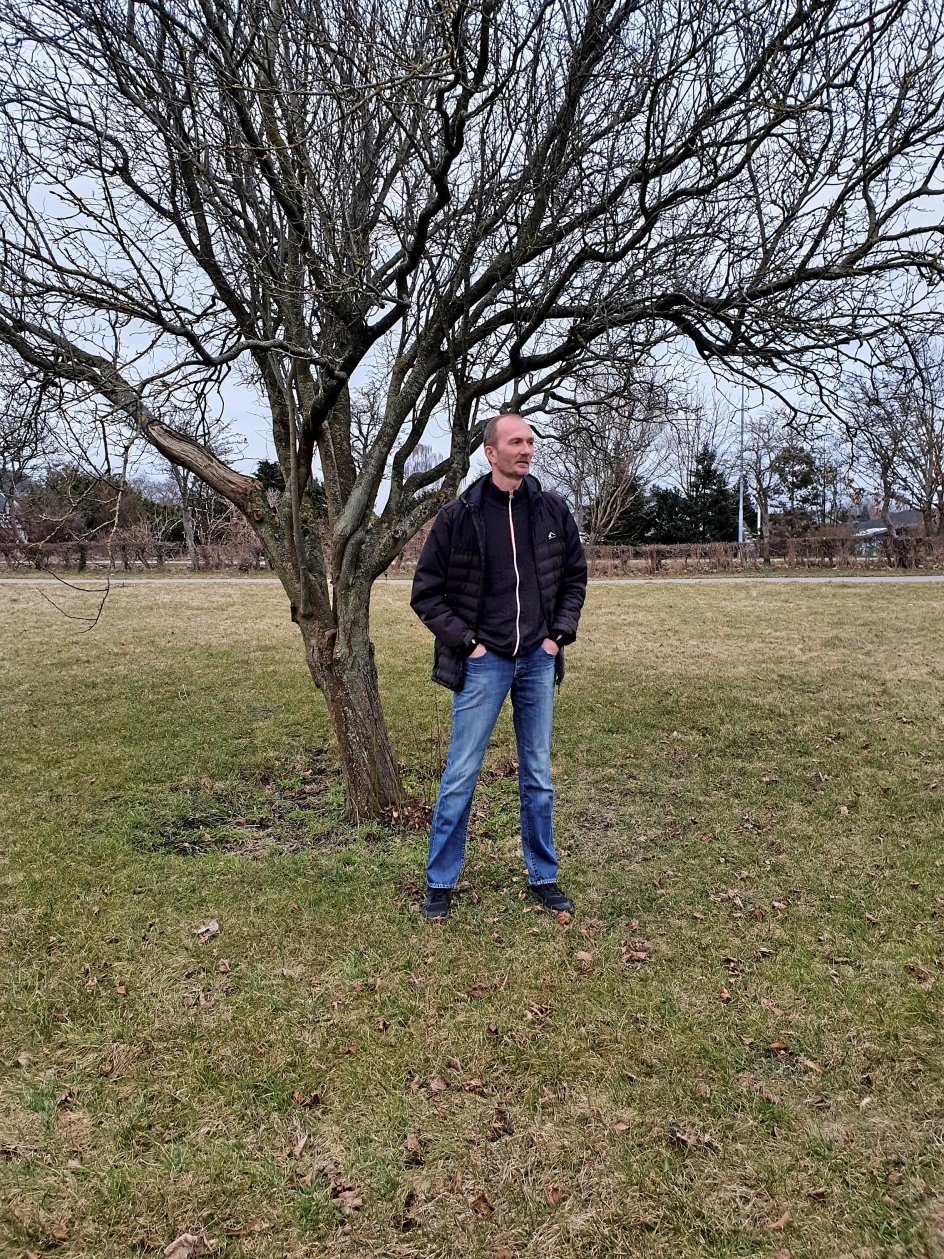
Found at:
(764, 530)
(343, 669)
(187, 514)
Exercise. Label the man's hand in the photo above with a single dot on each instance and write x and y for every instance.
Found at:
(550, 647)
(477, 651)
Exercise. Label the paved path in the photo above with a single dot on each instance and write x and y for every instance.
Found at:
(91, 585)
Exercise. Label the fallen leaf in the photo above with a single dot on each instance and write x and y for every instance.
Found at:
(501, 1124)
(564, 918)
(635, 952)
(189, 1244)
(246, 1230)
(298, 1149)
(780, 1223)
(583, 957)
(206, 931)
(350, 1048)
(349, 1200)
(453, 1064)
(555, 1196)
(23, 1059)
(404, 1218)
(414, 1150)
(923, 976)
(307, 1100)
(223, 966)
(482, 1207)
(59, 1233)
(474, 1086)
(437, 1085)
(416, 1084)
(381, 1025)
(724, 996)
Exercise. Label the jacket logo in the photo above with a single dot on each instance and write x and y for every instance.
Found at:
(551, 535)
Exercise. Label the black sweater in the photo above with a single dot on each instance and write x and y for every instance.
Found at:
(511, 623)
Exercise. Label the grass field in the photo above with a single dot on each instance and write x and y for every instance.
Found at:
(733, 1050)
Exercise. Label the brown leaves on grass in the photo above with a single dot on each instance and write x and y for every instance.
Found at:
(307, 1100)
(501, 1125)
(482, 1207)
(923, 977)
(189, 1244)
(246, 1230)
(411, 814)
(635, 952)
(347, 1199)
(414, 1150)
(344, 1195)
(206, 931)
(689, 1138)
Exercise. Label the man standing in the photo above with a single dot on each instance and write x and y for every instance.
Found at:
(500, 582)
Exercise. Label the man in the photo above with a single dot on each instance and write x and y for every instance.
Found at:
(500, 582)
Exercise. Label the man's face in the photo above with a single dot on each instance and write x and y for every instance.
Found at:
(513, 449)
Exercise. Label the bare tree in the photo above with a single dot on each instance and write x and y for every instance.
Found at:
(24, 436)
(896, 421)
(697, 424)
(471, 201)
(599, 447)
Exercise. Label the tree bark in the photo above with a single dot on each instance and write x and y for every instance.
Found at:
(342, 667)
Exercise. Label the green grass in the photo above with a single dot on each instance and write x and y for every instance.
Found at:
(748, 797)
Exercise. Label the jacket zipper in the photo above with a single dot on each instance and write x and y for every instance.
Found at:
(514, 560)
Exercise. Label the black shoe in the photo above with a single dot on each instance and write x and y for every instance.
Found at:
(551, 897)
(438, 902)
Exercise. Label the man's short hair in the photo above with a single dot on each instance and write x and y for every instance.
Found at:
(490, 434)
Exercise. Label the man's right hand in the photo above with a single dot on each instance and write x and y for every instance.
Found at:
(478, 650)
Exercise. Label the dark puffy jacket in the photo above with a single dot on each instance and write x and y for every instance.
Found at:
(447, 586)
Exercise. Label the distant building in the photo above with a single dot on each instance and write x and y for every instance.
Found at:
(873, 527)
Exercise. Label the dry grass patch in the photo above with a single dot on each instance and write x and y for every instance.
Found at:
(732, 1051)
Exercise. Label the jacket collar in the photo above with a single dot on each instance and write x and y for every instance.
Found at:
(472, 497)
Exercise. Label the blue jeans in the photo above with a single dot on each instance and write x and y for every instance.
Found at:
(475, 709)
